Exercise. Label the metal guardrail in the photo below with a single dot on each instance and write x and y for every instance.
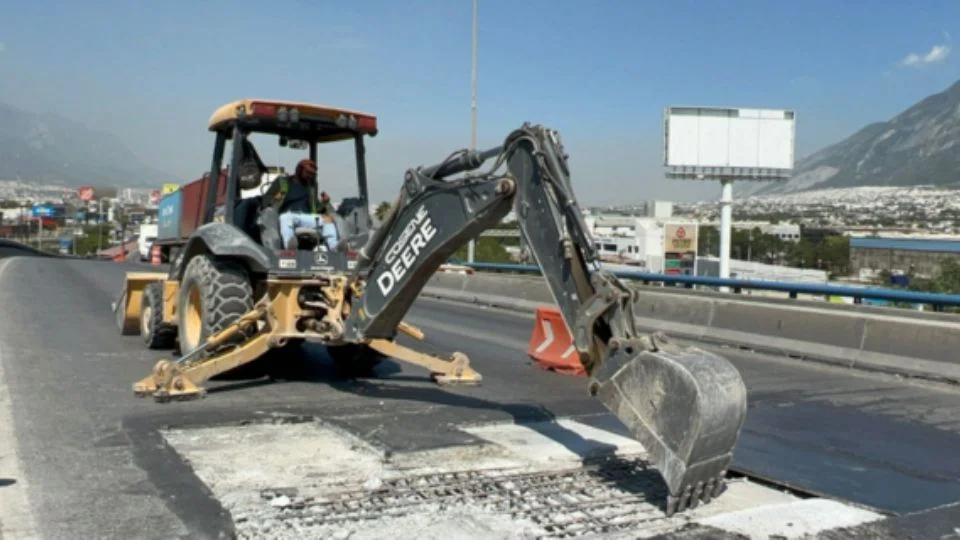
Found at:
(936, 300)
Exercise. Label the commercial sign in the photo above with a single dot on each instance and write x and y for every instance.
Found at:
(712, 142)
(170, 188)
(85, 193)
(39, 210)
(680, 248)
(155, 197)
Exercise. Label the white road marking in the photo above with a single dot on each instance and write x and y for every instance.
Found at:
(16, 517)
(564, 439)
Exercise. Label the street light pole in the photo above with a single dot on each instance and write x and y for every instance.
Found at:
(473, 75)
(471, 247)
(100, 228)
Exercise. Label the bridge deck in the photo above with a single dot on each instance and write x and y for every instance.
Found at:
(94, 459)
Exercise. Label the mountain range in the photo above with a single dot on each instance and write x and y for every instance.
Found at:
(49, 149)
(919, 146)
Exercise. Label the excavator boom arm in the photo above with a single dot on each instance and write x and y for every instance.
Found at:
(433, 217)
(685, 405)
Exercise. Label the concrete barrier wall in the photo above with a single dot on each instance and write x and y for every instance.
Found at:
(908, 342)
(11, 248)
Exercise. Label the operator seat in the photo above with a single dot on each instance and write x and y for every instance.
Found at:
(268, 222)
(348, 221)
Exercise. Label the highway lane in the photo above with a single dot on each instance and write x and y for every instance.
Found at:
(88, 449)
(94, 465)
(866, 437)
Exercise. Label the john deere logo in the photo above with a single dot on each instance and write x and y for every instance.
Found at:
(321, 258)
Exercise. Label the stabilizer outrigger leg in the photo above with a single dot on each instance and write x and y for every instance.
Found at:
(456, 371)
(184, 378)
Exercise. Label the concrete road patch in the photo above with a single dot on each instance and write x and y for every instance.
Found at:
(798, 519)
(311, 479)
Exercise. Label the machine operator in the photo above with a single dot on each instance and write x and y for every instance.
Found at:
(295, 197)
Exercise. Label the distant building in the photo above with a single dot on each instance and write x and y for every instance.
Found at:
(870, 255)
(787, 232)
(658, 209)
(634, 241)
(815, 235)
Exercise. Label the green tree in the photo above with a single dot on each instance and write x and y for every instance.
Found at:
(947, 280)
(488, 250)
(90, 242)
(708, 241)
(802, 254)
(382, 210)
(834, 251)
(754, 245)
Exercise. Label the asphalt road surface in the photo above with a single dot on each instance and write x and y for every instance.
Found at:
(82, 457)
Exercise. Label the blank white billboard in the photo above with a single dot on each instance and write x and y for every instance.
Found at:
(713, 141)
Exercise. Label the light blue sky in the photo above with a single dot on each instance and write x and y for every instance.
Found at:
(600, 71)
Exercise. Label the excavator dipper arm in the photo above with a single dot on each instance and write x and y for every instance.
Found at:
(685, 405)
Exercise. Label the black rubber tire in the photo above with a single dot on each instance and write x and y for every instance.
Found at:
(120, 314)
(225, 295)
(154, 332)
(354, 360)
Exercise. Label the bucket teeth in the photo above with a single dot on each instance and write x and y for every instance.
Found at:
(691, 496)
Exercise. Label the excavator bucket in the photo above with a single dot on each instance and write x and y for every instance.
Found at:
(686, 406)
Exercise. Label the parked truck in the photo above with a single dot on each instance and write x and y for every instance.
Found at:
(180, 212)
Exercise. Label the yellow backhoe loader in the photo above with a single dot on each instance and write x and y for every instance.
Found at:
(234, 292)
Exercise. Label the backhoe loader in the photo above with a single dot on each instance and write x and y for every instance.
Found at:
(233, 293)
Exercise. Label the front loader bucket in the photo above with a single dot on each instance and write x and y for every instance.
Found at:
(686, 406)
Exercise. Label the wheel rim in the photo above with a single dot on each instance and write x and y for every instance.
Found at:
(193, 318)
(145, 315)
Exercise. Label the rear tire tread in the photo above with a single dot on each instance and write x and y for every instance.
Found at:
(162, 335)
(226, 293)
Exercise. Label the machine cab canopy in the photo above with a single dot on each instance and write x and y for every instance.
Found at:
(297, 126)
(293, 120)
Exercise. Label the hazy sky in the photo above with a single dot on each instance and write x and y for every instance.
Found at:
(599, 71)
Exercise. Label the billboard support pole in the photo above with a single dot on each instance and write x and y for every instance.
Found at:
(726, 226)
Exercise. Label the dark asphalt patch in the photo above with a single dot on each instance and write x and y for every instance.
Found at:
(843, 452)
(183, 492)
